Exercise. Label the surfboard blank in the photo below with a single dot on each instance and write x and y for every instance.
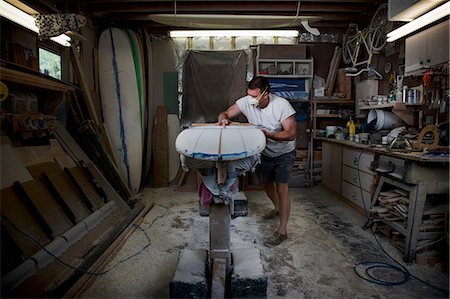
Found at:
(219, 143)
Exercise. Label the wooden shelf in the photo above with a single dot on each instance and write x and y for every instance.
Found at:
(395, 106)
(29, 79)
(328, 116)
(330, 100)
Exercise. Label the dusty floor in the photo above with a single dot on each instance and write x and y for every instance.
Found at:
(326, 240)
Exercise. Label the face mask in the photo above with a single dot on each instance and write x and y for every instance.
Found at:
(255, 102)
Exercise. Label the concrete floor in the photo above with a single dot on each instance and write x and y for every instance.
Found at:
(326, 240)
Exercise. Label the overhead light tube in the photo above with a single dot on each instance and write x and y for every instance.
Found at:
(422, 21)
(22, 18)
(230, 33)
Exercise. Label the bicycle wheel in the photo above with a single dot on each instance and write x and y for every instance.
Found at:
(378, 29)
(350, 43)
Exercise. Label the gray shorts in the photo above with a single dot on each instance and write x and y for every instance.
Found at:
(277, 169)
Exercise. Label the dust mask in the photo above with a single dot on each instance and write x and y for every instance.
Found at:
(253, 102)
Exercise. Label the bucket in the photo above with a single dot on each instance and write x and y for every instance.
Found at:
(330, 130)
(384, 120)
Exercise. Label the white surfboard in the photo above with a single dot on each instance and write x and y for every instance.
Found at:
(120, 103)
(219, 143)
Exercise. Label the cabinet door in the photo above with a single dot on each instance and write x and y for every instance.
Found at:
(331, 166)
(415, 52)
(437, 44)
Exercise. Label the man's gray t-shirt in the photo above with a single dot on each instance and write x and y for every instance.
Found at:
(270, 118)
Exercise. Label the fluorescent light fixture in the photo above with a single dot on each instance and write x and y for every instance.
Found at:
(422, 21)
(230, 33)
(22, 18)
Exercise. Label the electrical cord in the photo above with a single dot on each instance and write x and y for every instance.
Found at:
(85, 271)
(373, 265)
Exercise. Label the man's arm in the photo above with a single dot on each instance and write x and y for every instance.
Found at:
(288, 133)
(224, 117)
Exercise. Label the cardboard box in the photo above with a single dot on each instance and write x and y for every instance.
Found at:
(319, 92)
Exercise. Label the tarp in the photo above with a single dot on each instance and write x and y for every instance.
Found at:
(212, 81)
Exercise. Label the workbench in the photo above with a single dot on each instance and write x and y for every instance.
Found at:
(418, 174)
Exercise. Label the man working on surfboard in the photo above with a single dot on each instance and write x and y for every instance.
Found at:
(277, 117)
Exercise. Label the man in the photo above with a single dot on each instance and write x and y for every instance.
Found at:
(277, 117)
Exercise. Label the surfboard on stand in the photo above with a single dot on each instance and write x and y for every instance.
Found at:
(218, 143)
(120, 103)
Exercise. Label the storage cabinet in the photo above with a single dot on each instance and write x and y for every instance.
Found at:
(427, 48)
(287, 68)
(346, 172)
(358, 180)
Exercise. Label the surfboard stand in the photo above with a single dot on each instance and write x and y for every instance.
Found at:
(219, 272)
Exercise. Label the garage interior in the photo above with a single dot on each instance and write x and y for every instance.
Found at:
(96, 197)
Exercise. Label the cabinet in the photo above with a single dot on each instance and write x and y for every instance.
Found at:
(427, 48)
(286, 68)
(346, 172)
(358, 181)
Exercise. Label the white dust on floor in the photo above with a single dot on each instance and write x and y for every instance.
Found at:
(310, 264)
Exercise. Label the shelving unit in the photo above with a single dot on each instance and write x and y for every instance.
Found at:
(286, 68)
(329, 102)
(28, 116)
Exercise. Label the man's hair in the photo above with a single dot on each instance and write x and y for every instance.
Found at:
(259, 82)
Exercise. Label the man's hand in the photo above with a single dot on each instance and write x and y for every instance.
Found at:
(224, 122)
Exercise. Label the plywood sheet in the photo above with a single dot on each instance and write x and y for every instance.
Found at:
(11, 167)
(69, 194)
(47, 205)
(13, 208)
(87, 187)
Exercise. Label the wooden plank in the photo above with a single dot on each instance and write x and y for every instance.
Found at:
(68, 143)
(160, 148)
(73, 200)
(48, 207)
(37, 169)
(90, 191)
(84, 86)
(11, 167)
(109, 190)
(12, 207)
(30, 155)
(332, 72)
(101, 263)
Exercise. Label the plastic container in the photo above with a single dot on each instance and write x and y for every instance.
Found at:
(385, 120)
(330, 130)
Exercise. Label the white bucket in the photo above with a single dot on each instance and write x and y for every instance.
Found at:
(385, 120)
(330, 130)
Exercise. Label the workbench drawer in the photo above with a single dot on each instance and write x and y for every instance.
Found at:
(363, 179)
(356, 159)
(353, 194)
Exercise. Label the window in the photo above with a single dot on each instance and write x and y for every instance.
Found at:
(50, 63)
